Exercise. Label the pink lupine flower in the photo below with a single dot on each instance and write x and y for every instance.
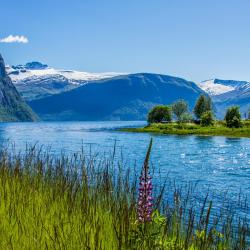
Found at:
(145, 204)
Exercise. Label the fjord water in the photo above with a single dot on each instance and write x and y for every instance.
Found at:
(218, 163)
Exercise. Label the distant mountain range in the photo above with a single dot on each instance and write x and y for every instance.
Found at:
(73, 95)
(126, 97)
(226, 93)
(35, 80)
(12, 106)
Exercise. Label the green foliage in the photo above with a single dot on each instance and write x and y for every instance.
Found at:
(218, 129)
(233, 117)
(186, 117)
(180, 109)
(207, 119)
(149, 235)
(202, 105)
(159, 114)
(248, 116)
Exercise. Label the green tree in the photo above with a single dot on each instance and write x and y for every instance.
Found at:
(179, 108)
(233, 117)
(186, 117)
(207, 118)
(159, 114)
(248, 117)
(202, 105)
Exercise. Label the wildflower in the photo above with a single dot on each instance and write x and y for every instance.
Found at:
(145, 204)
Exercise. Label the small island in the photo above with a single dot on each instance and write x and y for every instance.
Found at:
(175, 119)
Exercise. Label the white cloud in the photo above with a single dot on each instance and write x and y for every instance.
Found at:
(14, 39)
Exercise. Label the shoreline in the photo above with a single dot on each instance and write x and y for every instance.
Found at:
(172, 129)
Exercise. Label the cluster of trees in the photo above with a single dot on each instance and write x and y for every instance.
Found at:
(203, 112)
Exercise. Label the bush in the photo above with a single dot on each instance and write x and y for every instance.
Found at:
(207, 119)
(159, 114)
(202, 105)
(186, 117)
(233, 117)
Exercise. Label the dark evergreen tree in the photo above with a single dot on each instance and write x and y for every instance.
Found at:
(233, 117)
(202, 105)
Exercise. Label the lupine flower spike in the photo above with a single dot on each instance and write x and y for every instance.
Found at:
(144, 205)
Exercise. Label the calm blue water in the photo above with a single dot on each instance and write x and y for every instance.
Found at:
(220, 163)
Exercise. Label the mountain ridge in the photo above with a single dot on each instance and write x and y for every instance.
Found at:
(36, 80)
(227, 93)
(126, 97)
(12, 106)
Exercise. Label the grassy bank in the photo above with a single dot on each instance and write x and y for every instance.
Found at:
(81, 202)
(218, 129)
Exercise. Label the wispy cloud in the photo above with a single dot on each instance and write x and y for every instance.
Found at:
(14, 39)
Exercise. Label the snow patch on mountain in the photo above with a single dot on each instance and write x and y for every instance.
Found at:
(22, 74)
(214, 88)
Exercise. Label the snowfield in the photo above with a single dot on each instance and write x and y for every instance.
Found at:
(35, 80)
(22, 74)
(213, 88)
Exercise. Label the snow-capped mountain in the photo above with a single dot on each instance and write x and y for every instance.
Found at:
(212, 87)
(227, 93)
(216, 87)
(36, 80)
(126, 97)
(36, 69)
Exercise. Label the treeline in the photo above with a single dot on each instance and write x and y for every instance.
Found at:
(203, 113)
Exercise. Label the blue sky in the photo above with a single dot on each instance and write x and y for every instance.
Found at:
(193, 39)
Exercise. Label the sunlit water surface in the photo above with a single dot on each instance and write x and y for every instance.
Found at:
(218, 163)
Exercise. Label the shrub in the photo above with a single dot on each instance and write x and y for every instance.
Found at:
(159, 114)
(202, 105)
(186, 117)
(207, 119)
(179, 109)
(233, 117)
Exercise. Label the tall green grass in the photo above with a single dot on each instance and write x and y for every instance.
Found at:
(79, 202)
